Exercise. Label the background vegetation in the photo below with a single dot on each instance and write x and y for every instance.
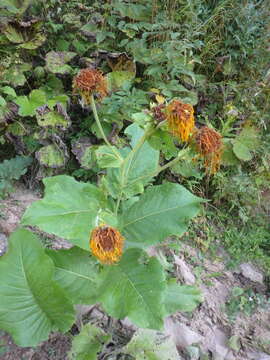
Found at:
(211, 54)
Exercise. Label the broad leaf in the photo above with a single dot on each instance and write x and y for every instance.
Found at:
(14, 168)
(32, 304)
(68, 209)
(107, 158)
(151, 345)
(84, 152)
(139, 169)
(88, 343)
(241, 151)
(134, 288)
(245, 142)
(145, 160)
(162, 210)
(28, 105)
(8, 91)
(51, 156)
(76, 272)
(181, 297)
(117, 79)
(14, 75)
(53, 119)
(28, 37)
(56, 62)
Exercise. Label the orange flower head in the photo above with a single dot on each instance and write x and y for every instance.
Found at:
(106, 244)
(209, 144)
(90, 81)
(180, 119)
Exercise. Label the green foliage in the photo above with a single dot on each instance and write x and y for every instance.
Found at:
(56, 61)
(69, 209)
(76, 273)
(247, 140)
(30, 298)
(11, 170)
(162, 211)
(88, 343)
(28, 105)
(151, 345)
(211, 54)
(245, 301)
(140, 295)
(181, 297)
(51, 156)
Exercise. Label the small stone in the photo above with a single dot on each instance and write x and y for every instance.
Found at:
(218, 346)
(250, 272)
(182, 335)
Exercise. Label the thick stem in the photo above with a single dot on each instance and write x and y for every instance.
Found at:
(116, 153)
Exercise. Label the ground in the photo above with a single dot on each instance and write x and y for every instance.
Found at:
(232, 323)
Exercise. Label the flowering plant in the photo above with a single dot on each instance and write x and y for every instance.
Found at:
(111, 225)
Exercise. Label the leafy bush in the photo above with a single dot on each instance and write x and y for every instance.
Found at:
(11, 170)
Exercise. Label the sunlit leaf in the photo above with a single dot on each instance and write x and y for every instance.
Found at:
(162, 210)
(107, 158)
(56, 62)
(181, 297)
(32, 304)
(29, 104)
(151, 345)
(68, 209)
(88, 343)
(134, 288)
(51, 156)
(76, 273)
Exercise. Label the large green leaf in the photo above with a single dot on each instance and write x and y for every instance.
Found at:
(138, 170)
(32, 304)
(181, 297)
(162, 210)
(134, 288)
(88, 343)
(77, 273)
(28, 105)
(151, 345)
(245, 142)
(145, 160)
(68, 209)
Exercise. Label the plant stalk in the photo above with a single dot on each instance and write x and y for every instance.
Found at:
(116, 153)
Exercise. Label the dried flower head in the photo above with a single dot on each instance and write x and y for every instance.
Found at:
(90, 81)
(209, 145)
(180, 119)
(158, 113)
(106, 244)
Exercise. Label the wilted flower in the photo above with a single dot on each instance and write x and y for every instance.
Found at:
(180, 119)
(88, 82)
(158, 113)
(209, 145)
(106, 244)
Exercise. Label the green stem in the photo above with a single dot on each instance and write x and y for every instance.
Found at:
(128, 162)
(116, 153)
(132, 153)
